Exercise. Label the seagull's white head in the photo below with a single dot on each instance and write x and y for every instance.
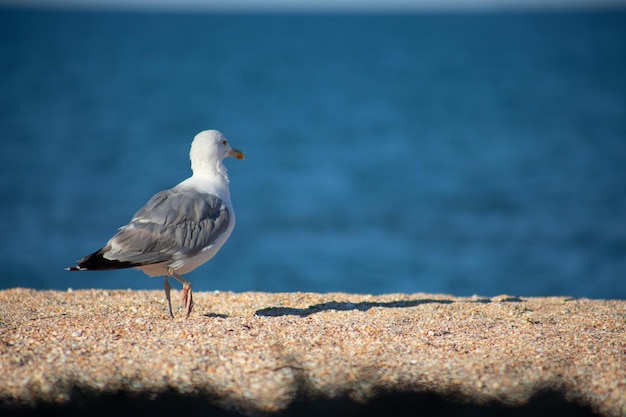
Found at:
(208, 149)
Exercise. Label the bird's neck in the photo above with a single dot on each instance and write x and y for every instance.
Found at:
(210, 168)
(211, 178)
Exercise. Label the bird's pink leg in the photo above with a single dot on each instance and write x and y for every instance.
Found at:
(186, 298)
(168, 287)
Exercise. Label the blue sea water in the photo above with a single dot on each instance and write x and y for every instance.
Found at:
(451, 153)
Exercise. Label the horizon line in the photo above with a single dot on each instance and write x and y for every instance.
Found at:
(277, 6)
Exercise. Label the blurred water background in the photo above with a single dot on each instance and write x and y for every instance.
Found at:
(467, 153)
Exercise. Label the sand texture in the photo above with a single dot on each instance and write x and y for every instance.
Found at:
(265, 353)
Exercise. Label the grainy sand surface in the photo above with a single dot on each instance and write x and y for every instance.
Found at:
(258, 353)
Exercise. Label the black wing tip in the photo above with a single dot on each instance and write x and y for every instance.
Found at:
(97, 262)
(74, 268)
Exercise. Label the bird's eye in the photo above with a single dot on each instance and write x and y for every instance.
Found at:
(224, 142)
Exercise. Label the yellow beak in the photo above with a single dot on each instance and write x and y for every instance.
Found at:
(237, 154)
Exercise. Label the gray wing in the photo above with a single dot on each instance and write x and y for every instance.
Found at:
(174, 224)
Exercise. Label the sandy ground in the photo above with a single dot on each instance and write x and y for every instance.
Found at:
(260, 352)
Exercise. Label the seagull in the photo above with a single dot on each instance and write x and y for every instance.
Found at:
(178, 229)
